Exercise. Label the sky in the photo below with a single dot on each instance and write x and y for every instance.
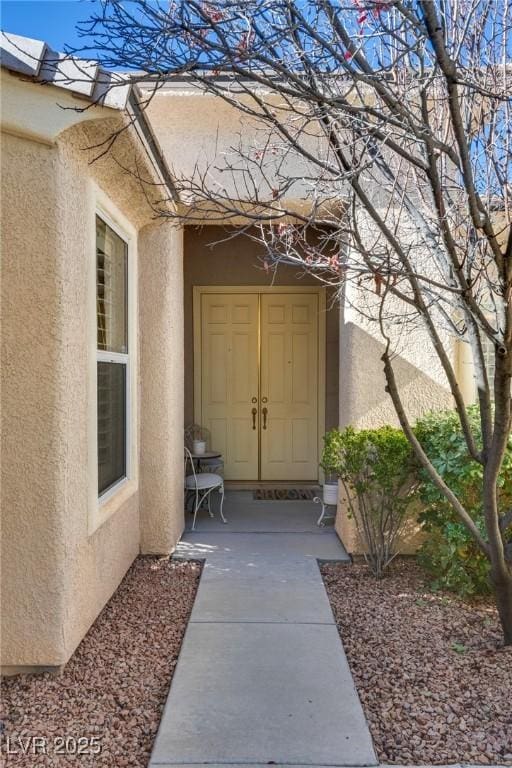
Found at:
(53, 21)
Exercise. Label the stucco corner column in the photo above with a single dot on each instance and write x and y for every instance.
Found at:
(345, 526)
(352, 362)
(160, 251)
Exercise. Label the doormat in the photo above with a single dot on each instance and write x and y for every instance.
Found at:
(284, 494)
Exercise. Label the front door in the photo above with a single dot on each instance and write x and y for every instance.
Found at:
(289, 386)
(259, 383)
(230, 374)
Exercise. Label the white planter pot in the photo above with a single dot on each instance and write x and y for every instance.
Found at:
(199, 447)
(330, 493)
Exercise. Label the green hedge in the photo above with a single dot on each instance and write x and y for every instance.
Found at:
(449, 552)
(375, 467)
(378, 470)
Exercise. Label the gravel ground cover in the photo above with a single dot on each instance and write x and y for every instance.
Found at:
(111, 693)
(434, 682)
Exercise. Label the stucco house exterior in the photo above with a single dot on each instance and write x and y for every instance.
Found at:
(119, 327)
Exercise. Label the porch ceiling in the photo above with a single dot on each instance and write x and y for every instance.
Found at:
(223, 158)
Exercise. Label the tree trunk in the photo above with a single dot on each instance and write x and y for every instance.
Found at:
(502, 583)
(501, 566)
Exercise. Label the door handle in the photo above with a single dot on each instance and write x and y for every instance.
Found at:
(264, 412)
(254, 413)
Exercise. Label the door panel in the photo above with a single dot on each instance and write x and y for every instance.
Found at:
(289, 381)
(229, 372)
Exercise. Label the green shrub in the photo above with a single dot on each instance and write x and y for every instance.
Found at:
(377, 470)
(449, 552)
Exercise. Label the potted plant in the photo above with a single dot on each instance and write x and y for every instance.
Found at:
(198, 447)
(329, 463)
(196, 437)
(330, 490)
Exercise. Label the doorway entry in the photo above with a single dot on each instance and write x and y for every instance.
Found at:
(259, 362)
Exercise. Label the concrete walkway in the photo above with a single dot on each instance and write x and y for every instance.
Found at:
(262, 677)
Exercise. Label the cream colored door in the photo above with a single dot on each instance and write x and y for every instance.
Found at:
(289, 386)
(229, 380)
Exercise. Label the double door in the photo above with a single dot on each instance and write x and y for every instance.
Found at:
(259, 382)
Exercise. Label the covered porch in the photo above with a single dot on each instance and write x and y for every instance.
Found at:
(261, 355)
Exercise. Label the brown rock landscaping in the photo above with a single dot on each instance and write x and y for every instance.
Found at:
(434, 682)
(105, 707)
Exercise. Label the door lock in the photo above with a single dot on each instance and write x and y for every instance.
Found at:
(254, 400)
(264, 399)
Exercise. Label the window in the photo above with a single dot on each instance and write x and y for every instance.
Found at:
(112, 355)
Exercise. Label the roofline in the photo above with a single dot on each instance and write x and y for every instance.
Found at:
(151, 141)
(34, 61)
(177, 81)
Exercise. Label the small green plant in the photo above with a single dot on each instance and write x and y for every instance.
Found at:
(459, 648)
(377, 470)
(449, 552)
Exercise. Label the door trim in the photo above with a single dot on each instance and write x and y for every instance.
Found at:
(199, 290)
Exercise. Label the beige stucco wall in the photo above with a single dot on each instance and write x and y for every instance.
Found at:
(364, 402)
(162, 386)
(32, 511)
(64, 554)
(412, 535)
(239, 261)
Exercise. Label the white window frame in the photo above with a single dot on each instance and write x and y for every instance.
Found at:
(102, 506)
(122, 358)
